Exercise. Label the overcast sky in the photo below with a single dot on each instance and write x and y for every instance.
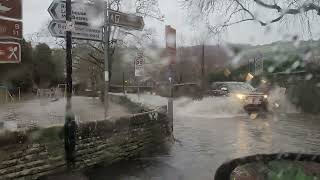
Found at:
(36, 17)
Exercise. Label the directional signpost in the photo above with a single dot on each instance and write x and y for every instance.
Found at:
(10, 52)
(129, 21)
(11, 9)
(58, 29)
(82, 29)
(57, 10)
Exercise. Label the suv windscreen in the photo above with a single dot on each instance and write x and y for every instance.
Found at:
(243, 87)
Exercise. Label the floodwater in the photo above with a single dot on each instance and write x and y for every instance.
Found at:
(45, 112)
(210, 132)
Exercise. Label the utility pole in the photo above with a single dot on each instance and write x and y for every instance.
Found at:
(106, 58)
(70, 125)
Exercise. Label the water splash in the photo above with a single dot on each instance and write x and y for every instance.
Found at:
(209, 107)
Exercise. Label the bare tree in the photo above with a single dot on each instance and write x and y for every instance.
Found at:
(240, 11)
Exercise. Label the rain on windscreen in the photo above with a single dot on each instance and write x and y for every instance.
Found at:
(159, 89)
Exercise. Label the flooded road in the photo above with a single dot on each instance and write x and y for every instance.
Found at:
(209, 133)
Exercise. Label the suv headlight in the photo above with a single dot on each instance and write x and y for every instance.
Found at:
(241, 96)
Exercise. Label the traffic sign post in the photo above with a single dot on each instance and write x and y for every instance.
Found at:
(10, 52)
(129, 21)
(10, 29)
(11, 9)
(61, 12)
(80, 15)
(58, 29)
(171, 47)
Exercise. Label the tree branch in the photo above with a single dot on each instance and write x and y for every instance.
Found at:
(97, 49)
(90, 61)
(100, 61)
(270, 6)
(305, 7)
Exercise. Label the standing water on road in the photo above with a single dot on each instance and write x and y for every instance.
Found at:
(205, 140)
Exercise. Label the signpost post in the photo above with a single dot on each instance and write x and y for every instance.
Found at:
(120, 19)
(70, 125)
(171, 47)
(107, 29)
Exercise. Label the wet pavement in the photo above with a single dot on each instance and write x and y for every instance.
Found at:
(210, 132)
(45, 112)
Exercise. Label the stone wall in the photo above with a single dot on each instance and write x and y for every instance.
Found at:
(31, 154)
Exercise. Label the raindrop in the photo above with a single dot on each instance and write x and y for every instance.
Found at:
(296, 42)
(275, 48)
(279, 175)
(228, 50)
(295, 65)
(252, 39)
(249, 77)
(267, 30)
(295, 38)
(288, 71)
(307, 56)
(309, 77)
(271, 69)
(277, 58)
(298, 157)
(227, 72)
(266, 124)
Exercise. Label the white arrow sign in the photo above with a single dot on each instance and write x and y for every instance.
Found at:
(58, 29)
(80, 11)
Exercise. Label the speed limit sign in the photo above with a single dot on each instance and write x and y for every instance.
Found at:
(139, 65)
